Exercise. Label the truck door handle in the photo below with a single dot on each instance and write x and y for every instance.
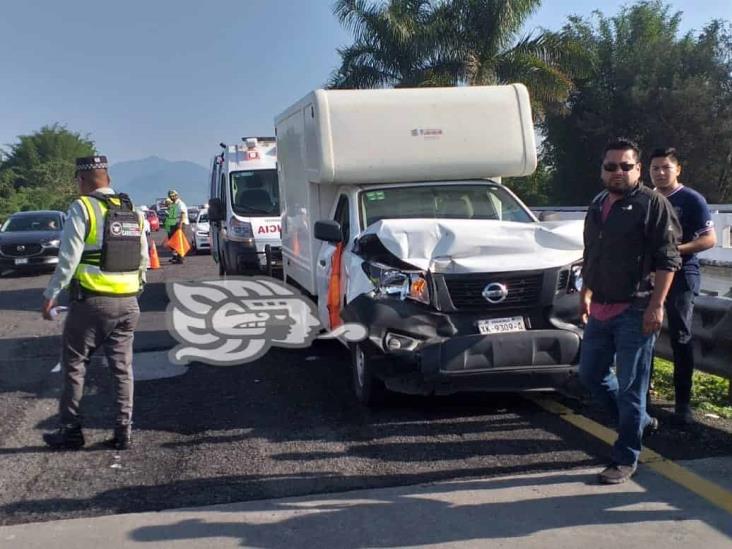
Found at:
(322, 262)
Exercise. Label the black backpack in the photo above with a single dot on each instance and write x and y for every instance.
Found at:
(121, 247)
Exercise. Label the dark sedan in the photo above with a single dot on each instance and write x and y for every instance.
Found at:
(30, 240)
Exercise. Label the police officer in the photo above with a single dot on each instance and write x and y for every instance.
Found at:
(176, 218)
(102, 260)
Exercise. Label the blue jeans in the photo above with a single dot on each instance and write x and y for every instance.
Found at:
(620, 340)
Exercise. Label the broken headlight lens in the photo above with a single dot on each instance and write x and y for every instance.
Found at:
(394, 282)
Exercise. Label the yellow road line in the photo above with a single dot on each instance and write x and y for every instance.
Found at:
(711, 492)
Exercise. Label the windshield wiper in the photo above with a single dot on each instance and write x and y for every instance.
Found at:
(250, 209)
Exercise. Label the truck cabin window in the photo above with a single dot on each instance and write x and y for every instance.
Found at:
(441, 202)
(255, 193)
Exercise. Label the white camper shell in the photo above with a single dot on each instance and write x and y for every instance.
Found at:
(393, 216)
(244, 207)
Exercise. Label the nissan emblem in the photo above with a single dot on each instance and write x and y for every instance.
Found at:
(495, 292)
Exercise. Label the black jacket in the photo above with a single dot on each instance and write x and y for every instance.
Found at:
(639, 237)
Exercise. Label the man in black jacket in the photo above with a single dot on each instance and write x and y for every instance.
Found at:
(630, 258)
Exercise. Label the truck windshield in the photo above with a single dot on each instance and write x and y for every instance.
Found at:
(441, 202)
(255, 193)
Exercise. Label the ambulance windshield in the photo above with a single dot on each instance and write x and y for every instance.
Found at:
(255, 193)
(441, 201)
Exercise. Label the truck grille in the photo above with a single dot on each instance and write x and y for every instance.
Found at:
(562, 280)
(466, 291)
(21, 250)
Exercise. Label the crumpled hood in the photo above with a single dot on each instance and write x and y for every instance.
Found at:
(470, 245)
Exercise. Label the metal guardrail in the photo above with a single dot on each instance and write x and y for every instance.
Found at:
(720, 255)
(712, 329)
(712, 323)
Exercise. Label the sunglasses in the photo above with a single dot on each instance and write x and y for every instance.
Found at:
(613, 167)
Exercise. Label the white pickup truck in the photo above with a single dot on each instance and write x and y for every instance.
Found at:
(394, 217)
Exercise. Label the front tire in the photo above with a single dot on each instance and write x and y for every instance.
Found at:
(369, 389)
(222, 266)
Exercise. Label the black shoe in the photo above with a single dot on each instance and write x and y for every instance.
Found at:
(68, 437)
(683, 417)
(651, 428)
(122, 439)
(616, 474)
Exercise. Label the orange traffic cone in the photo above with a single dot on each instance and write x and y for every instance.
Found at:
(154, 259)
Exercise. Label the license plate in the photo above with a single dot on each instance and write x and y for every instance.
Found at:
(501, 325)
(21, 261)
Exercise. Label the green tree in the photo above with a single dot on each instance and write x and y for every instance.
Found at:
(533, 189)
(455, 42)
(654, 85)
(37, 172)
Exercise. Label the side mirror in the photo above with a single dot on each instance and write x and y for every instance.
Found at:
(549, 216)
(328, 231)
(216, 211)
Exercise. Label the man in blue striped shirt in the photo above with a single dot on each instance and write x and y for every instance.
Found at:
(698, 235)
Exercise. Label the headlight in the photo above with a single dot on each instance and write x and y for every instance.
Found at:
(402, 284)
(55, 243)
(239, 229)
(575, 278)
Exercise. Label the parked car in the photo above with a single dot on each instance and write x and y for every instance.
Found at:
(162, 214)
(193, 214)
(29, 241)
(199, 233)
(153, 219)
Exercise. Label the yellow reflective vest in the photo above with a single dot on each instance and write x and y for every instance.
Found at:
(89, 274)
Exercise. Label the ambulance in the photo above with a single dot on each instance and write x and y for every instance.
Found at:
(244, 208)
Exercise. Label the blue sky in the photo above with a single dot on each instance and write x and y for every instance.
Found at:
(173, 78)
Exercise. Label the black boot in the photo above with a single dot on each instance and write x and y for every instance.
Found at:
(68, 437)
(122, 438)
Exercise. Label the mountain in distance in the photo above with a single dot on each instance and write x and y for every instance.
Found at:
(150, 178)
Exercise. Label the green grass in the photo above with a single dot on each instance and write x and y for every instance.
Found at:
(709, 393)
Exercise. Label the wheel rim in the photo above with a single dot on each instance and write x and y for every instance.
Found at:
(360, 366)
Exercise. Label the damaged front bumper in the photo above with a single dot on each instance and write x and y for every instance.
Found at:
(444, 353)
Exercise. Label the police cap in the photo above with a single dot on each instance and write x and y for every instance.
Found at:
(87, 163)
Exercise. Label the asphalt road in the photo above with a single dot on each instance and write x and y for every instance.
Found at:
(284, 425)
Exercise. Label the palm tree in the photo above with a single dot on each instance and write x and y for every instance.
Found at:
(394, 46)
(485, 37)
(455, 42)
